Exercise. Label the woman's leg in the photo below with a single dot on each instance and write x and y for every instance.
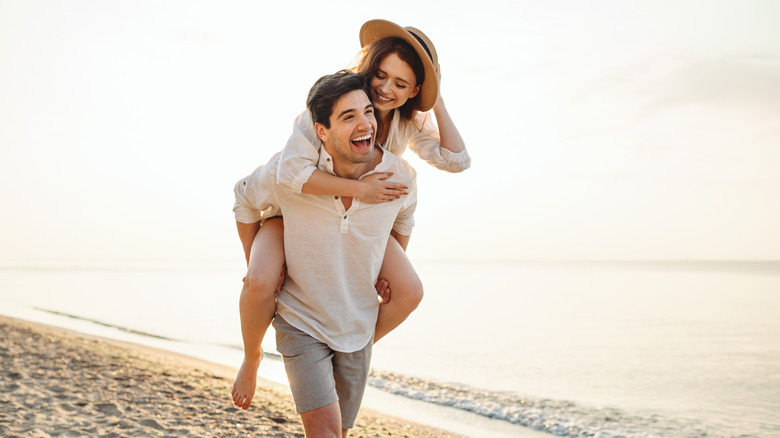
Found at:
(257, 304)
(406, 289)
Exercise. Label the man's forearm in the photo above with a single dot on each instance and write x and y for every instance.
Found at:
(247, 233)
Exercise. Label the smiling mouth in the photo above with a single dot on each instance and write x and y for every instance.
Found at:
(363, 142)
(382, 99)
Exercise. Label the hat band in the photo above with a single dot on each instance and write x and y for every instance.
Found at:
(422, 43)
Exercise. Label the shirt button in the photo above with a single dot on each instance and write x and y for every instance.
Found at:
(337, 197)
(345, 216)
(328, 159)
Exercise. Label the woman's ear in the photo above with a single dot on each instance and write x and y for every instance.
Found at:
(415, 92)
(322, 131)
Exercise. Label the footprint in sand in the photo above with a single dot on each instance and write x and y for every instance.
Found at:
(151, 423)
(109, 409)
(67, 407)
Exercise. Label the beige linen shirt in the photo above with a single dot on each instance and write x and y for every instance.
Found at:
(333, 255)
(420, 134)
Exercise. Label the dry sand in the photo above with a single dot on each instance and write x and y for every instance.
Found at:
(57, 383)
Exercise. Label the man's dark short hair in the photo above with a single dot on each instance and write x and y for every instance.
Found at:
(328, 89)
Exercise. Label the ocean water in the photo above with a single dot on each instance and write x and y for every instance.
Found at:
(677, 349)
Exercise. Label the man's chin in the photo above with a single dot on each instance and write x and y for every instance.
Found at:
(363, 156)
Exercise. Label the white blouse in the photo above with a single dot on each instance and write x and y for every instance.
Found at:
(300, 155)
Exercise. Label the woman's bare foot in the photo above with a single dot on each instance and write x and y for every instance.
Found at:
(246, 383)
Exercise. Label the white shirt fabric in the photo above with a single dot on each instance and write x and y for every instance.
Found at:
(299, 157)
(333, 255)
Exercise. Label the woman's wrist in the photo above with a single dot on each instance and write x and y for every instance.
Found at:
(438, 106)
(357, 191)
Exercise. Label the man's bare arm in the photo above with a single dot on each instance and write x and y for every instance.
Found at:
(247, 233)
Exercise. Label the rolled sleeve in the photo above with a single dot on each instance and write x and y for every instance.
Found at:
(300, 155)
(404, 221)
(255, 196)
(426, 144)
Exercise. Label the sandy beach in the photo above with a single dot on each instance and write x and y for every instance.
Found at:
(55, 382)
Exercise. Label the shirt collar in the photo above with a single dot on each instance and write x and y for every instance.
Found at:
(393, 126)
(325, 162)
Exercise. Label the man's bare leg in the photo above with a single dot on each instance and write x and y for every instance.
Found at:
(324, 422)
(406, 289)
(257, 305)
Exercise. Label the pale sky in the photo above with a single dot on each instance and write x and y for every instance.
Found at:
(598, 130)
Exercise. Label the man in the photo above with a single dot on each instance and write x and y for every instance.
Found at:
(327, 307)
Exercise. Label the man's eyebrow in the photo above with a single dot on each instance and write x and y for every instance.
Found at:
(350, 110)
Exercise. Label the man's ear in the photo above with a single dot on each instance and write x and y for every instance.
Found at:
(322, 131)
(414, 93)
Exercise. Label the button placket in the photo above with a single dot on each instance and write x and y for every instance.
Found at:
(341, 211)
(344, 224)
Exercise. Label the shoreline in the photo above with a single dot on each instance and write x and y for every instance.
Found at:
(60, 382)
(456, 422)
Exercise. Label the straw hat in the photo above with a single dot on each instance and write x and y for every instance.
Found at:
(377, 29)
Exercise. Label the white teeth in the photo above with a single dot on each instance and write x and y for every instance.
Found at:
(383, 98)
(365, 137)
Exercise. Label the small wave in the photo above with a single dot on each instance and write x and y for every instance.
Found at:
(105, 324)
(559, 417)
(267, 354)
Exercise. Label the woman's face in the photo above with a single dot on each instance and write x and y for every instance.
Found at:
(393, 84)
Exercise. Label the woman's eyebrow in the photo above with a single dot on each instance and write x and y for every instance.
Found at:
(397, 78)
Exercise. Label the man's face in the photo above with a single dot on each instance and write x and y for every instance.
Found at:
(350, 138)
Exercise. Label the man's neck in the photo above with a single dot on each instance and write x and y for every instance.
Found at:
(356, 170)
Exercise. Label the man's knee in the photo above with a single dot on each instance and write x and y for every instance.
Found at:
(324, 422)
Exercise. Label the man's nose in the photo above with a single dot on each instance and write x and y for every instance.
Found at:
(364, 121)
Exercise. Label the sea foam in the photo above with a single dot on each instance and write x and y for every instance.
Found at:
(558, 417)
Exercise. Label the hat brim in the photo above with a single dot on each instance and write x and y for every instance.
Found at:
(374, 30)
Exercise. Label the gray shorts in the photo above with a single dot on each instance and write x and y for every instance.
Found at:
(320, 376)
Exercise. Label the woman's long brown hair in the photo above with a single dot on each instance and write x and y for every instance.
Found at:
(375, 53)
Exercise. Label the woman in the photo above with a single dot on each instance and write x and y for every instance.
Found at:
(402, 67)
